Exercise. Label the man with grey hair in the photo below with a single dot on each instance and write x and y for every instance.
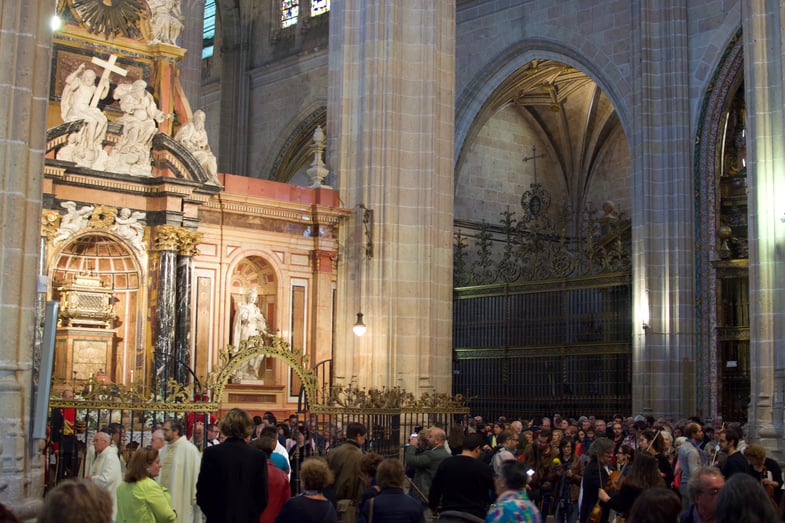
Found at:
(157, 440)
(703, 486)
(105, 470)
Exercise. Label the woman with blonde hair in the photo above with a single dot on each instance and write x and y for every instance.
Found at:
(311, 506)
(140, 499)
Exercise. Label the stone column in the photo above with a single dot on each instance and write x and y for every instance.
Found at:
(390, 123)
(664, 354)
(187, 248)
(24, 93)
(231, 149)
(191, 39)
(166, 239)
(764, 67)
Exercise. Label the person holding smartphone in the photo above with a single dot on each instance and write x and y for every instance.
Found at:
(426, 463)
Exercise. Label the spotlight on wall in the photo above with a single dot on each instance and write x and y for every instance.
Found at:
(368, 230)
(359, 327)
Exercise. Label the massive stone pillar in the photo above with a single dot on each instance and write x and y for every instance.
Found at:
(24, 91)
(763, 78)
(390, 113)
(664, 352)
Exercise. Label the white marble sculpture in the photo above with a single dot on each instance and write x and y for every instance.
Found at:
(166, 21)
(318, 171)
(127, 226)
(131, 153)
(73, 221)
(85, 147)
(193, 137)
(249, 321)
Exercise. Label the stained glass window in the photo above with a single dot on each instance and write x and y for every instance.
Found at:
(208, 30)
(319, 7)
(290, 10)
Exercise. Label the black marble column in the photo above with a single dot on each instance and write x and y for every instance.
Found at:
(182, 342)
(166, 241)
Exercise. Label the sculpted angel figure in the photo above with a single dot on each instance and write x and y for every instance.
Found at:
(193, 137)
(79, 90)
(249, 321)
(127, 226)
(73, 221)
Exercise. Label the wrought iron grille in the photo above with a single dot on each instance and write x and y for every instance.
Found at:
(542, 321)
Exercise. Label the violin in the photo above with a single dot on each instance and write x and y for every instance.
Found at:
(615, 479)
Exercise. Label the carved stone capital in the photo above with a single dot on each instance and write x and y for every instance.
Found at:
(166, 238)
(189, 242)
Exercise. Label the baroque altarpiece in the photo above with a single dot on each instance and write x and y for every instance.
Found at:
(154, 257)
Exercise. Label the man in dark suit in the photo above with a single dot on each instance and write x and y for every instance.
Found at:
(232, 484)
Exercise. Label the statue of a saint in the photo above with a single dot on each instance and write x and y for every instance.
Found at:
(131, 153)
(166, 19)
(80, 88)
(193, 137)
(249, 321)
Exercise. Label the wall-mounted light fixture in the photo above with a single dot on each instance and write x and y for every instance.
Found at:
(644, 310)
(359, 327)
(367, 230)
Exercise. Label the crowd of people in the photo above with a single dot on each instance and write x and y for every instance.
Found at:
(632, 470)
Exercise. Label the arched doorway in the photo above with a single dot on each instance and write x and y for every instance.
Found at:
(542, 269)
(722, 275)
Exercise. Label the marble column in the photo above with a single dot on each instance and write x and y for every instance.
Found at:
(391, 97)
(764, 64)
(187, 248)
(24, 95)
(166, 240)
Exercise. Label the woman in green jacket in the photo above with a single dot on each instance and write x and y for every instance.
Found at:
(140, 499)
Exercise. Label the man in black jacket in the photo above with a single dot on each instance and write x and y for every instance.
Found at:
(463, 483)
(232, 484)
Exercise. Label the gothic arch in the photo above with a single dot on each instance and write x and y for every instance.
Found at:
(473, 99)
(294, 145)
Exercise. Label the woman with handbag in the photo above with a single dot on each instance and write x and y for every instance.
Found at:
(595, 478)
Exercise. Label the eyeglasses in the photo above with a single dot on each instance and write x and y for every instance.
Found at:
(711, 492)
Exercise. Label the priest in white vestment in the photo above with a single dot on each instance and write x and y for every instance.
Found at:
(105, 469)
(180, 462)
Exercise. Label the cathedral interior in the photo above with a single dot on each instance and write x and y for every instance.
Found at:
(543, 209)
